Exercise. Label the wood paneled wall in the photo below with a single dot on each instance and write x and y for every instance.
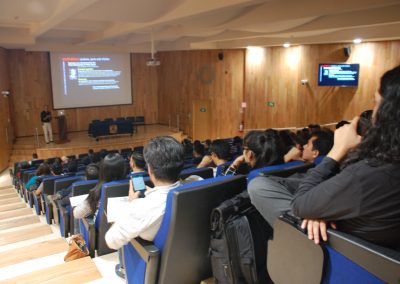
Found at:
(273, 75)
(31, 88)
(6, 130)
(188, 75)
(164, 93)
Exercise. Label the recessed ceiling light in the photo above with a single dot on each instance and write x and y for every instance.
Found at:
(286, 45)
(357, 40)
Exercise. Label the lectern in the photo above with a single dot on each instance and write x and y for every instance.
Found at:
(62, 127)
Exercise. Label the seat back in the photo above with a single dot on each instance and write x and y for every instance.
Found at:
(64, 183)
(205, 173)
(139, 120)
(82, 187)
(26, 175)
(184, 234)
(286, 172)
(352, 260)
(254, 173)
(48, 184)
(110, 189)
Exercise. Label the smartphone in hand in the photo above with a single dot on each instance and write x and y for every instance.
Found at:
(139, 185)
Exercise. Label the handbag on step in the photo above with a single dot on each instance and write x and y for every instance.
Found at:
(77, 248)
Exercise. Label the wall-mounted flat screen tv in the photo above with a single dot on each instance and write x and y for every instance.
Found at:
(334, 74)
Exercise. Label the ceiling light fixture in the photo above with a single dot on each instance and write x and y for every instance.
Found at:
(357, 40)
(286, 45)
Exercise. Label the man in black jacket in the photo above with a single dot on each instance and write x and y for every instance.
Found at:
(45, 117)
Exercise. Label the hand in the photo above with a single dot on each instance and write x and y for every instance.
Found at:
(315, 227)
(205, 162)
(238, 161)
(293, 154)
(134, 196)
(346, 139)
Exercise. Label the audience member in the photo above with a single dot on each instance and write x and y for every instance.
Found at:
(42, 170)
(137, 165)
(260, 149)
(220, 154)
(318, 145)
(91, 173)
(198, 153)
(112, 168)
(363, 198)
(314, 128)
(165, 158)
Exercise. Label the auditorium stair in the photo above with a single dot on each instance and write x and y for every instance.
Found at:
(32, 251)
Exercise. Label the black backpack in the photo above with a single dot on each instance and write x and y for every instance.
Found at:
(238, 247)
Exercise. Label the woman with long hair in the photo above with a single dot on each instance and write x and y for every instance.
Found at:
(112, 168)
(260, 149)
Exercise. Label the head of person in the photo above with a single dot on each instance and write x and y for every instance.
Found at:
(198, 150)
(90, 151)
(365, 122)
(34, 156)
(165, 158)
(137, 162)
(286, 137)
(220, 151)
(319, 144)
(112, 168)
(92, 171)
(56, 169)
(43, 170)
(381, 143)
(302, 137)
(261, 149)
(341, 123)
(64, 160)
(314, 127)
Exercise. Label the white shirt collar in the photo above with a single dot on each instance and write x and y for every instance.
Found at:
(163, 188)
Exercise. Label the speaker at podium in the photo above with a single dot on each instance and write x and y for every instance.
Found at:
(62, 127)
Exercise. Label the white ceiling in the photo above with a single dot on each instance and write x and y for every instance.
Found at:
(127, 25)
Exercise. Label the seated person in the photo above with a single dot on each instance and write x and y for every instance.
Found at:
(318, 145)
(220, 153)
(137, 165)
(42, 170)
(363, 198)
(91, 173)
(112, 168)
(55, 170)
(165, 158)
(259, 150)
(198, 153)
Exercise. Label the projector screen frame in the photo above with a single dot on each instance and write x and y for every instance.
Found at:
(98, 106)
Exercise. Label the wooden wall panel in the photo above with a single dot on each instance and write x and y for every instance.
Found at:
(276, 76)
(31, 87)
(188, 75)
(6, 129)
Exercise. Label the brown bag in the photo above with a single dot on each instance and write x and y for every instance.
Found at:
(77, 248)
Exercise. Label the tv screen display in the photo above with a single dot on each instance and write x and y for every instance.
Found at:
(343, 75)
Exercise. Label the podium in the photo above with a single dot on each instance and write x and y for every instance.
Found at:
(62, 129)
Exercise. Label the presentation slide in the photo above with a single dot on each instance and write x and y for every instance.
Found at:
(90, 79)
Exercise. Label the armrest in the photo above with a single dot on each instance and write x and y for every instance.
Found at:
(151, 255)
(89, 226)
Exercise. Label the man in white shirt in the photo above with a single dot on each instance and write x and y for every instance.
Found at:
(164, 157)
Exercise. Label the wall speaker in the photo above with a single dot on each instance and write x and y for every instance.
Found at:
(221, 56)
(347, 51)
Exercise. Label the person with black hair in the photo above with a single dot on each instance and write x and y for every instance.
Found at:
(341, 123)
(360, 195)
(319, 144)
(198, 153)
(137, 165)
(165, 159)
(260, 149)
(91, 173)
(42, 170)
(112, 168)
(220, 153)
